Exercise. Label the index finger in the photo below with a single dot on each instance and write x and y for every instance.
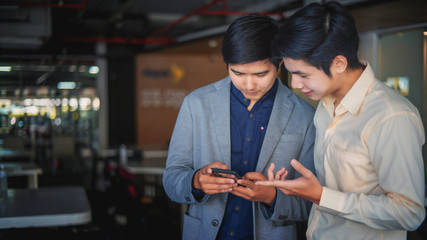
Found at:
(208, 168)
(271, 183)
(254, 176)
(219, 180)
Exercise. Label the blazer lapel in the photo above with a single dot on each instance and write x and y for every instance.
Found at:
(220, 110)
(282, 109)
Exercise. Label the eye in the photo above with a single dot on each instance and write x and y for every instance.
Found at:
(262, 74)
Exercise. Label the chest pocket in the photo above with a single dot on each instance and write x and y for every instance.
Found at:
(347, 168)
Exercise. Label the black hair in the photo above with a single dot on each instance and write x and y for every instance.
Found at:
(248, 39)
(317, 34)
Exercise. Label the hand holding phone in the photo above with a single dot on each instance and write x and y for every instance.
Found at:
(219, 173)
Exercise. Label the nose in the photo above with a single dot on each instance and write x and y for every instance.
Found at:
(296, 83)
(250, 83)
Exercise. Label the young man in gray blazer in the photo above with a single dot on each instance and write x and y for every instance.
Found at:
(243, 122)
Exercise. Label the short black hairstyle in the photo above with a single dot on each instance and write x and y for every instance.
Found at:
(248, 39)
(317, 34)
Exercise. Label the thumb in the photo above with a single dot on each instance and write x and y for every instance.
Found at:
(300, 168)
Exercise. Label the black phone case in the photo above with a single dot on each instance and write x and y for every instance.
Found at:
(217, 172)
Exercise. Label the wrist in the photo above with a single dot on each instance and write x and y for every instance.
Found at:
(318, 195)
(196, 183)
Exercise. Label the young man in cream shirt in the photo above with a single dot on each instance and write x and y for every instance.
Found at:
(369, 181)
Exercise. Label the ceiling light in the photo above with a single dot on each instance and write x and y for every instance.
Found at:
(5, 68)
(82, 68)
(66, 85)
(72, 68)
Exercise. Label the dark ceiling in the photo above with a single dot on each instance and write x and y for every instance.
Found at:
(43, 25)
(58, 34)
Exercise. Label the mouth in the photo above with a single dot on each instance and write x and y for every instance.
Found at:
(308, 93)
(251, 93)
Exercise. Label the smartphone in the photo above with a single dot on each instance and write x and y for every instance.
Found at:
(217, 172)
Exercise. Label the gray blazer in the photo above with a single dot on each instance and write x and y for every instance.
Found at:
(202, 136)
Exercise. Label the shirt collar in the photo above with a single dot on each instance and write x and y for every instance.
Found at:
(353, 100)
(239, 95)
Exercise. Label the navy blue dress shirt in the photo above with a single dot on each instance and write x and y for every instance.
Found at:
(248, 129)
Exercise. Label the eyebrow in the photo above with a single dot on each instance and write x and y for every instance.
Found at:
(298, 72)
(258, 73)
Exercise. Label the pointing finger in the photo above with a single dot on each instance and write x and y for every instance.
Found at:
(271, 183)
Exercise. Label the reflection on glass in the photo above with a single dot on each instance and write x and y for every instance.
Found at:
(85, 104)
(400, 84)
(93, 69)
(96, 103)
(73, 104)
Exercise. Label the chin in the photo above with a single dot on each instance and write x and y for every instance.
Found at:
(252, 98)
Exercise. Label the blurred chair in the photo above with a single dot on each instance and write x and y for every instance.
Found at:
(64, 146)
(16, 148)
(14, 142)
(64, 151)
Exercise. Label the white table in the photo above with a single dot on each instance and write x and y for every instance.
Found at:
(6, 153)
(45, 207)
(23, 169)
(156, 171)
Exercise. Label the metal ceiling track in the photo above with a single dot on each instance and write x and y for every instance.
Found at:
(60, 4)
(203, 10)
(158, 37)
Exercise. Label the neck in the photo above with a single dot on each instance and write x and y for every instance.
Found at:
(348, 79)
(251, 104)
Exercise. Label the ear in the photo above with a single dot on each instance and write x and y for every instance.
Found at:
(280, 65)
(339, 64)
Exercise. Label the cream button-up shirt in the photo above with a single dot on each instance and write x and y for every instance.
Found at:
(368, 157)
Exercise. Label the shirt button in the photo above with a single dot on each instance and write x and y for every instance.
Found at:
(231, 234)
(251, 115)
(237, 208)
(215, 222)
(245, 100)
(245, 162)
(248, 139)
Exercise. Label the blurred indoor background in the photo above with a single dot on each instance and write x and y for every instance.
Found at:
(90, 90)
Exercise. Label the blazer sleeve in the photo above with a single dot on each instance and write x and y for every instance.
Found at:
(179, 171)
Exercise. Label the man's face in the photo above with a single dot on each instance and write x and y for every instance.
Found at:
(308, 79)
(253, 79)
